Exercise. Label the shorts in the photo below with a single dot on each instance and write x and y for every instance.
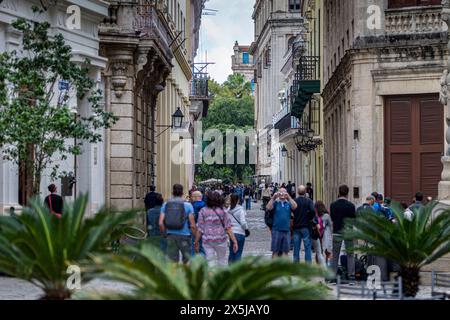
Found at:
(281, 241)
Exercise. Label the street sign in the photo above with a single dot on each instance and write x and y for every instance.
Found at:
(63, 85)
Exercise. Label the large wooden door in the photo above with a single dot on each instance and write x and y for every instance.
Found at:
(414, 145)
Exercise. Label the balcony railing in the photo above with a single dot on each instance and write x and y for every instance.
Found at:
(284, 121)
(308, 68)
(414, 20)
(306, 83)
(149, 24)
(199, 86)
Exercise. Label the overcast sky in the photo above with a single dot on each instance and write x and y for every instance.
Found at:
(218, 33)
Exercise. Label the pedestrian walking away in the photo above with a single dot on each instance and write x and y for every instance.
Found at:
(198, 204)
(340, 210)
(150, 198)
(327, 233)
(239, 226)
(54, 202)
(214, 227)
(304, 215)
(177, 219)
(154, 234)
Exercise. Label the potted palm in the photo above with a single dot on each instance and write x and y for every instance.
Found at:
(411, 243)
(38, 247)
(150, 276)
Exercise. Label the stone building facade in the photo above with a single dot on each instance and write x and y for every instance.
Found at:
(276, 23)
(384, 125)
(242, 62)
(150, 46)
(300, 125)
(88, 168)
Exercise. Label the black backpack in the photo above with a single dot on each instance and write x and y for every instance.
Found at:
(175, 215)
(268, 218)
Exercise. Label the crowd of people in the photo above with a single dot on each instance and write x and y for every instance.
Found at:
(212, 222)
(203, 224)
(295, 219)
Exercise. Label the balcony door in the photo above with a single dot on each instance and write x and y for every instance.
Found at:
(414, 145)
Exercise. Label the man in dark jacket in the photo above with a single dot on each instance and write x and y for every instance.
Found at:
(340, 210)
(303, 217)
(150, 198)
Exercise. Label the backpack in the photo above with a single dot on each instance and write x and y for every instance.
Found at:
(322, 228)
(175, 215)
(268, 218)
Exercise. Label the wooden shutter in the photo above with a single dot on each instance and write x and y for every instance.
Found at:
(414, 145)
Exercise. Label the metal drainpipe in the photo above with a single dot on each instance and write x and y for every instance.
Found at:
(107, 143)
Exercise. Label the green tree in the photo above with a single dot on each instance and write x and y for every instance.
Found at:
(35, 123)
(38, 247)
(232, 108)
(152, 277)
(411, 244)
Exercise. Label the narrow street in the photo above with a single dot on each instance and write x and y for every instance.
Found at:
(258, 244)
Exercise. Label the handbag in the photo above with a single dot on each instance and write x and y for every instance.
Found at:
(247, 232)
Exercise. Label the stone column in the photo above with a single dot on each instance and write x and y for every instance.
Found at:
(444, 185)
(120, 166)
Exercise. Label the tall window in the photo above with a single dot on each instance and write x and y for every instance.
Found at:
(245, 58)
(412, 3)
(294, 5)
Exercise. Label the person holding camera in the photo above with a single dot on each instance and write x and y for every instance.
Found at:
(282, 205)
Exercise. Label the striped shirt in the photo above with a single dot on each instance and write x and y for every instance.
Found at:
(213, 223)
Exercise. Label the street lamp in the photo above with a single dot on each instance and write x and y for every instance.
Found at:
(177, 119)
(177, 122)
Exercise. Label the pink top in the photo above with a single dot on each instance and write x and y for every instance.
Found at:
(213, 223)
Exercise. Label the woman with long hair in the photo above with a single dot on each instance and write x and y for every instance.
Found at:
(327, 232)
(214, 228)
(239, 226)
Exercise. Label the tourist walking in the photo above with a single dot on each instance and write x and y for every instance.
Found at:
(198, 204)
(340, 210)
(317, 233)
(367, 206)
(310, 191)
(248, 198)
(266, 195)
(239, 226)
(154, 234)
(418, 202)
(54, 201)
(150, 198)
(327, 234)
(304, 216)
(178, 221)
(282, 205)
(214, 228)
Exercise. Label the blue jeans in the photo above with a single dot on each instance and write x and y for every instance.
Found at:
(299, 235)
(234, 257)
(248, 204)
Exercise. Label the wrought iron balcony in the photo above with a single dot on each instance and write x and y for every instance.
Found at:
(199, 92)
(199, 86)
(283, 121)
(305, 84)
